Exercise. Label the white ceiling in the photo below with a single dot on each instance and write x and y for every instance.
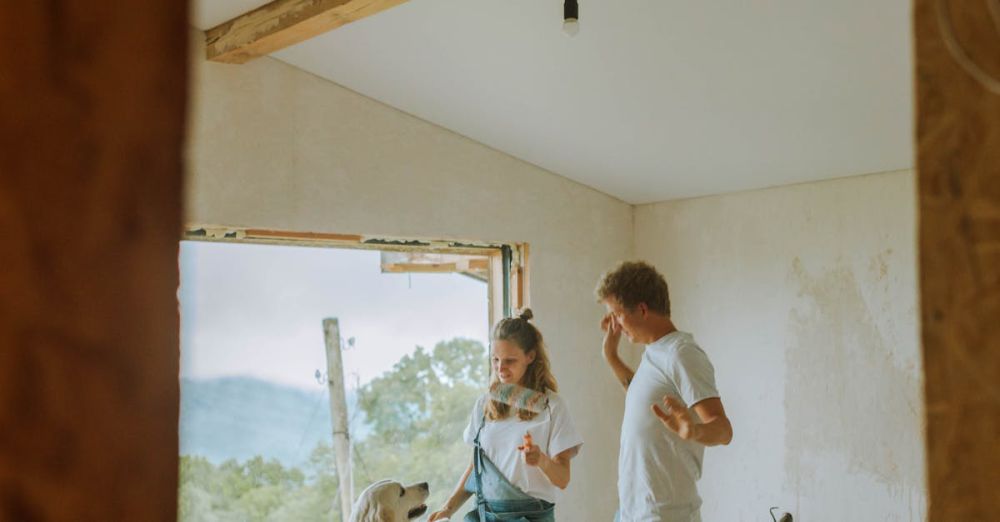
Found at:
(652, 100)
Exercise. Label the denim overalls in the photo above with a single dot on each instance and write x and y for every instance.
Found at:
(496, 498)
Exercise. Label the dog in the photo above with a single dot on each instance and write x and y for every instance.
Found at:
(390, 501)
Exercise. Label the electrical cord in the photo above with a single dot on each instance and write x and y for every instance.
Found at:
(784, 518)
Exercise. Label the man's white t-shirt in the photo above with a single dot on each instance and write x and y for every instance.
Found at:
(657, 470)
(553, 431)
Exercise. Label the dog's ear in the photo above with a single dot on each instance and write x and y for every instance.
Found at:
(365, 511)
(384, 514)
(374, 512)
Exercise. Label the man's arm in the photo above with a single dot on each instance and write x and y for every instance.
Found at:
(612, 337)
(713, 430)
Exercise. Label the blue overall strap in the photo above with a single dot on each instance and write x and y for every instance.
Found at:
(477, 458)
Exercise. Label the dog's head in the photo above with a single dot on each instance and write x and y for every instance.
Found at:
(390, 501)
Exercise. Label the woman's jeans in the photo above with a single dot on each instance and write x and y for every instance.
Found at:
(516, 511)
(503, 500)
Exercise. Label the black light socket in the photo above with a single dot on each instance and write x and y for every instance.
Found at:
(571, 10)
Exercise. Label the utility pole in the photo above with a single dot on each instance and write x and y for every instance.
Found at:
(338, 414)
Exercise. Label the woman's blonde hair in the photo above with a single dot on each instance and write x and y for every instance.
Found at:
(538, 376)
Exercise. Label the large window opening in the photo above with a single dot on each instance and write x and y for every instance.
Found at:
(305, 355)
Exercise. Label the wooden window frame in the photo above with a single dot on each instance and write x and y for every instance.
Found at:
(508, 281)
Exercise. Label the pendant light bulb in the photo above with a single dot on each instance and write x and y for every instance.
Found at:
(571, 26)
(571, 17)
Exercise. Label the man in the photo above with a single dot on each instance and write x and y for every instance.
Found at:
(672, 408)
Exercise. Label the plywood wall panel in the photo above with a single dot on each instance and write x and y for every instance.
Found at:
(92, 98)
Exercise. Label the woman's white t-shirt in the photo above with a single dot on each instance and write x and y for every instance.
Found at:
(552, 431)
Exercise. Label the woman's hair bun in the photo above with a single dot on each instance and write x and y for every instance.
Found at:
(526, 314)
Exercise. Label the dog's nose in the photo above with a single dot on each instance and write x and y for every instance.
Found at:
(424, 486)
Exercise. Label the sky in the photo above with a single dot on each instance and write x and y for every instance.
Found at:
(257, 310)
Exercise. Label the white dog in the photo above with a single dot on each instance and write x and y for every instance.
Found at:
(390, 501)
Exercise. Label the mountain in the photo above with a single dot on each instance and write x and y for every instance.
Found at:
(241, 417)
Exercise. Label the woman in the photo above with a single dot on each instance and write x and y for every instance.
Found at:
(516, 478)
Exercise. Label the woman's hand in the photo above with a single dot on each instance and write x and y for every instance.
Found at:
(555, 469)
(533, 455)
(439, 515)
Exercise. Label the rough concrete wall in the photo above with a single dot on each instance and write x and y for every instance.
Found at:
(275, 147)
(805, 299)
(958, 160)
(92, 98)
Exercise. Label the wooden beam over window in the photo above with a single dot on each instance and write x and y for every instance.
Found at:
(283, 23)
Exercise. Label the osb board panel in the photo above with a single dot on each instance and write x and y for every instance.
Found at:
(958, 137)
(92, 98)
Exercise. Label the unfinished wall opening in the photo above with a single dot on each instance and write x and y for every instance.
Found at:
(304, 355)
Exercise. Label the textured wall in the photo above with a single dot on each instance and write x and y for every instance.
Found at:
(275, 147)
(805, 299)
(958, 140)
(92, 98)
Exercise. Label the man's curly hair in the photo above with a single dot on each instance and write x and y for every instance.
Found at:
(634, 282)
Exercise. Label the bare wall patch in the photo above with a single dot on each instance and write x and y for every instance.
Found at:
(845, 394)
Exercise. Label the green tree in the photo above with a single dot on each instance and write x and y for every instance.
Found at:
(416, 411)
(255, 490)
(425, 392)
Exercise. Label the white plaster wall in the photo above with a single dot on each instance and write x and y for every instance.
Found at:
(805, 299)
(274, 147)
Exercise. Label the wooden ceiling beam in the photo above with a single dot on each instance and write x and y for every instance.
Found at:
(283, 23)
